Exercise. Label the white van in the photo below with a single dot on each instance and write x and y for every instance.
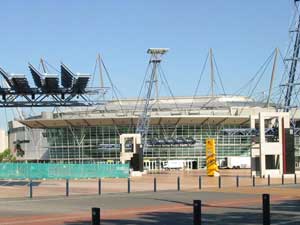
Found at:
(174, 164)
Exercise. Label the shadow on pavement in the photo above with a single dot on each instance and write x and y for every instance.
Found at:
(289, 206)
(8, 183)
(286, 212)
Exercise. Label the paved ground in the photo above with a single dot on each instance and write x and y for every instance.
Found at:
(231, 206)
(226, 205)
(165, 181)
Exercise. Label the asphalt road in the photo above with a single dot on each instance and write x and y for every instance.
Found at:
(149, 208)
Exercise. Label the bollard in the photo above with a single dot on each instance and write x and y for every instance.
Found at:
(237, 181)
(178, 183)
(269, 180)
(95, 216)
(154, 187)
(30, 189)
(266, 209)
(253, 181)
(99, 186)
(128, 185)
(282, 179)
(295, 178)
(200, 182)
(220, 182)
(67, 187)
(197, 212)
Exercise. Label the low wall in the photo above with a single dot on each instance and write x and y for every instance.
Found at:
(62, 171)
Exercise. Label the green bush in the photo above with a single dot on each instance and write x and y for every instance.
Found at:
(7, 156)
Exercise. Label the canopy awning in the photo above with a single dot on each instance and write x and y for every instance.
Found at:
(173, 120)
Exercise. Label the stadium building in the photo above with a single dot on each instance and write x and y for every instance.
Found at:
(178, 129)
(172, 128)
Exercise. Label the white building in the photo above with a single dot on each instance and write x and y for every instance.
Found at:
(3, 140)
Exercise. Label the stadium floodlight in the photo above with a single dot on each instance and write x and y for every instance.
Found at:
(157, 51)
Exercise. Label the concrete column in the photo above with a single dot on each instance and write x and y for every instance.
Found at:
(252, 121)
(262, 143)
(280, 137)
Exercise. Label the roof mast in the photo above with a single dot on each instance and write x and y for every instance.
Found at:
(272, 77)
(211, 72)
(100, 71)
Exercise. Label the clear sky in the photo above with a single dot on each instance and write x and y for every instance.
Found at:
(242, 34)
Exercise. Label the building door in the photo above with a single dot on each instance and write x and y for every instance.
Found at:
(195, 165)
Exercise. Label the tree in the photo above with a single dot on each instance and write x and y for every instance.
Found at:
(7, 156)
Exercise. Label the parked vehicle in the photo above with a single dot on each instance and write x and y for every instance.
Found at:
(174, 164)
(236, 162)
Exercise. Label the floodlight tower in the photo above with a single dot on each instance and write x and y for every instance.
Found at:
(144, 119)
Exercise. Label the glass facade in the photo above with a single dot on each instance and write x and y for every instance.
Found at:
(297, 152)
(101, 143)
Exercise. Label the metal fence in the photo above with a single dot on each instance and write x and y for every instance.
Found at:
(62, 171)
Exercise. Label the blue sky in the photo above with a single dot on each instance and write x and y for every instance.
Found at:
(242, 33)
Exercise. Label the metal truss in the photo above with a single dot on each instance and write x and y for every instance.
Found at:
(37, 98)
(144, 119)
(73, 91)
(293, 69)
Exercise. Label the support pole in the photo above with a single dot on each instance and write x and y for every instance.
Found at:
(67, 187)
(269, 180)
(212, 76)
(220, 182)
(282, 179)
(273, 76)
(43, 65)
(295, 178)
(178, 183)
(237, 181)
(266, 209)
(30, 188)
(100, 70)
(99, 187)
(128, 185)
(200, 182)
(253, 181)
(197, 212)
(154, 184)
(95, 216)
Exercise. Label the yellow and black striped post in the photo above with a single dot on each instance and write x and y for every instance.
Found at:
(211, 164)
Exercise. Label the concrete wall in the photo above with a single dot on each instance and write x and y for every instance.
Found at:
(265, 148)
(3, 140)
(35, 149)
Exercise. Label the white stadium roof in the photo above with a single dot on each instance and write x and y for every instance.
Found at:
(165, 110)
